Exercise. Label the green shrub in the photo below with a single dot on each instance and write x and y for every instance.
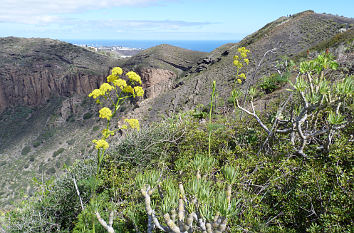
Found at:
(25, 150)
(50, 171)
(71, 118)
(36, 144)
(55, 204)
(87, 115)
(58, 164)
(44, 136)
(273, 82)
(138, 148)
(58, 152)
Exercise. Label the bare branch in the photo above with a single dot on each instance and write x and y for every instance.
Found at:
(106, 226)
(78, 193)
(254, 115)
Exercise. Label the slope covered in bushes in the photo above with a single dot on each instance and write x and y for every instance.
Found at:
(273, 190)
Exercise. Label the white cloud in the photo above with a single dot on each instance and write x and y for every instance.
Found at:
(52, 18)
(46, 11)
(143, 24)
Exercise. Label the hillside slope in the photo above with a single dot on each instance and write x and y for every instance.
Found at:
(49, 121)
(288, 36)
(33, 70)
(46, 118)
(165, 56)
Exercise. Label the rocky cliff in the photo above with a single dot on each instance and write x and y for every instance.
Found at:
(33, 70)
(156, 81)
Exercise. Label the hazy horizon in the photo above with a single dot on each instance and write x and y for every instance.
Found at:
(151, 19)
(196, 45)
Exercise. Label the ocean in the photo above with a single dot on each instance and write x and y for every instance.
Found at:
(197, 45)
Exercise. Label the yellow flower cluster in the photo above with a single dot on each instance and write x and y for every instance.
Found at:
(128, 89)
(240, 62)
(243, 51)
(105, 113)
(101, 144)
(106, 133)
(101, 91)
(116, 71)
(133, 123)
(111, 78)
(95, 93)
(138, 91)
(134, 77)
(114, 79)
(105, 87)
(240, 77)
(121, 83)
(115, 91)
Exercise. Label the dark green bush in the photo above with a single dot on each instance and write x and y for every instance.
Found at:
(277, 190)
(71, 118)
(273, 82)
(50, 171)
(36, 143)
(44, 136)
(58, 152)
(95, 128)
(87, 115)
(25, 150)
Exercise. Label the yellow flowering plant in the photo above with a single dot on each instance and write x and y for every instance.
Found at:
(241, 61)
(114, 93)
(133, 123)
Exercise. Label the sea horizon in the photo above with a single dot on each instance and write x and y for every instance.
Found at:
(196, 45)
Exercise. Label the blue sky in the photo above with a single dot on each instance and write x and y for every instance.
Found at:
(151, 19)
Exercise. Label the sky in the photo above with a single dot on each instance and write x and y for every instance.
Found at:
(152, 19)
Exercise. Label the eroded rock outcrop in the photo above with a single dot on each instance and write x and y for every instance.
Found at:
(36, 88)
(33, 70)
(156, 81)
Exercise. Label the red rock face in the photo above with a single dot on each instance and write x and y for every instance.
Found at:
(34, 69)
(36, 88)
(156, 81)
(3, 101)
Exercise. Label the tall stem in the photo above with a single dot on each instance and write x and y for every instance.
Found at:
(210, 113)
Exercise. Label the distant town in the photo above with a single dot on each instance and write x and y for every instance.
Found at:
(115, 51)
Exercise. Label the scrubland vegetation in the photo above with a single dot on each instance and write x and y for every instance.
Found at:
(288, 168)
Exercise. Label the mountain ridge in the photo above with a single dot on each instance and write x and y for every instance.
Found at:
(175, 80)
